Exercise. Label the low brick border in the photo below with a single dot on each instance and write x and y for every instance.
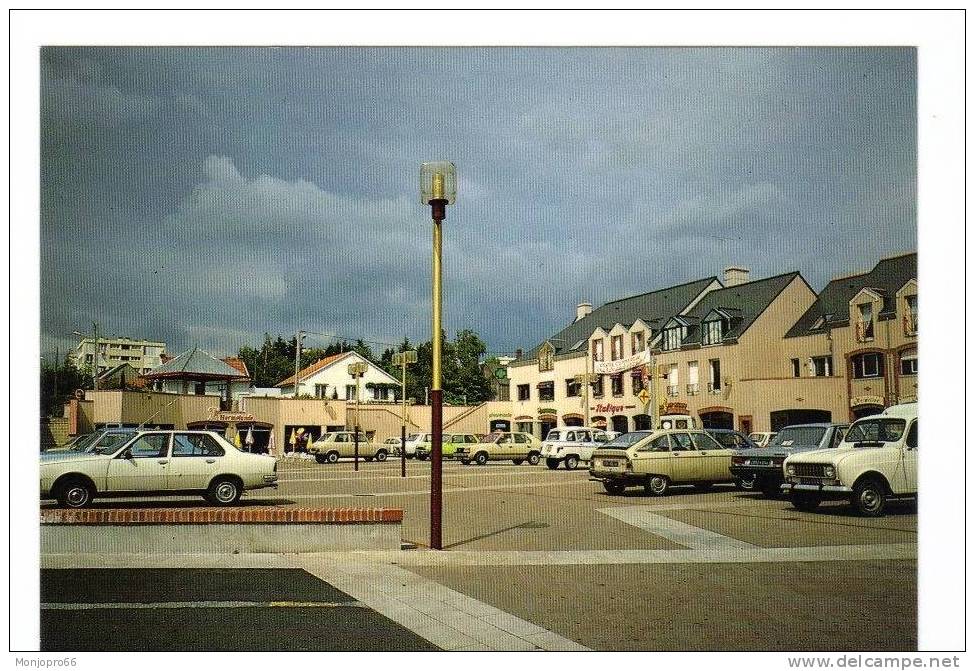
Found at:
(223, 516)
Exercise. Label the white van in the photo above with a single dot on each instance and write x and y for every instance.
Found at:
(571, 444)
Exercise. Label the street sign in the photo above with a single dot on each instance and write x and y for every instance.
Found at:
(643, 396)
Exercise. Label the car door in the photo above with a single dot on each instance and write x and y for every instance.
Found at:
(905, 480)
(654, 458)
(519, 448)
(715, 457)
(142, 466)
(195, 459)
(689, 465)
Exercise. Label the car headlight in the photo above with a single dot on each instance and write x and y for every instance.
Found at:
(558, 449)
(790, 469)
(829, 472)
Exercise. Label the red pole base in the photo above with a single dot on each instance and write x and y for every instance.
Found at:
(436, 469)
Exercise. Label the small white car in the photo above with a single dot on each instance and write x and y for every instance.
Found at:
(335, 444)
(877, 460)
(569, 445)
(157, 463)
(415, 440)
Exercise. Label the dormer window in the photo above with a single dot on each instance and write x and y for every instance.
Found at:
(910, 315)
(597, 350)
(616, 347)
(714, 330)
(546, 356)
(865, 323)
(637, 342)
(673, 337)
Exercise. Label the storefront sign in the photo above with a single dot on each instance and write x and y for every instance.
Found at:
(618, 366)
(499, 414)
(607, 407)
(216, 415)
(866, 400)
(674, 408)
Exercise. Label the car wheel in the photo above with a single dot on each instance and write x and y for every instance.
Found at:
(657, 485)
(517, 462)
(480, 458)
(332, 457)
(224, 491)
(381, 455)
(571, 462)
(75, 494)
(614, 488)
(320, 458)
(746, 484)
(805, 501)
(534, 458)
(869, 498)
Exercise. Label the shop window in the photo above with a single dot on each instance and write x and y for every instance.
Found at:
(524, 392)
(868, 365)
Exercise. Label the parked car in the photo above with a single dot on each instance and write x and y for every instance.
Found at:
(415, 440)
(876, 461)
(335, 444)
(571, 444)
(515, 446)
(448, 446)
(732, 439)
(762, 438)
(157, 462)
(761, 468)
(658, 459)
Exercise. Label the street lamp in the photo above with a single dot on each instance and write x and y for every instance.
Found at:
(357, 370)
(403, 359)
(438, 188)
(94, 358)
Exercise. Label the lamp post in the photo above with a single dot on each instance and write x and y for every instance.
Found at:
(438, 188)
(357, 370)
(94, 358)
(403, 359)
(298, 336)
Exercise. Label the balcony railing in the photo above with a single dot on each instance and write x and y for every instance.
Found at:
(714, 389)
(672, 390)
(693, 389)
(910, 325)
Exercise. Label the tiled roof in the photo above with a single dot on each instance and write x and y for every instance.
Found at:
(650, 307)
(742, 302)
(312, 369)
(235, 362)
(886, 278)
(195, 363)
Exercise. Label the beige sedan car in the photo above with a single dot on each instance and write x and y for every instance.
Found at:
(335, 444)
(155, 462)
(656, 460)
(511, 446)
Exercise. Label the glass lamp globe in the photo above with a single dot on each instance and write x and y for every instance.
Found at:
(438, 181)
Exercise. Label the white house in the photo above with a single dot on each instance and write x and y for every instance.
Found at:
(329, 378)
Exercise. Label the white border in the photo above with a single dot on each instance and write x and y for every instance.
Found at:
(938, 36)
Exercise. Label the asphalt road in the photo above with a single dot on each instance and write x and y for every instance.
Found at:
(615, 572)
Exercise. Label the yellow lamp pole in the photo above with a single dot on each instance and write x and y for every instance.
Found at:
(438, 188)
(357, 370)
(403, 359)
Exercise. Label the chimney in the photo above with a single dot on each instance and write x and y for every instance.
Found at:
(735, 275)
(583, 310)
(518, 354)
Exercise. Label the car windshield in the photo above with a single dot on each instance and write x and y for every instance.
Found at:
(554, 435)
(798, 435)
(110, 442)
(627, 439)
(413, 436)
(876, 429)
(82, 443)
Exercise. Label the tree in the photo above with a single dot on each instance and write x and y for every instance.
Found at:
(58, 384)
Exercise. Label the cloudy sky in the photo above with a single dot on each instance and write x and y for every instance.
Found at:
(206, 196)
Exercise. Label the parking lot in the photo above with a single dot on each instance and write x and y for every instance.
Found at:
(718, 570)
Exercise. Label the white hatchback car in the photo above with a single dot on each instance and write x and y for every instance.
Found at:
(156, 462)
(571, 444)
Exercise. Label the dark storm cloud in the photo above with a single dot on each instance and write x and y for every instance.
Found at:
(208, 195)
